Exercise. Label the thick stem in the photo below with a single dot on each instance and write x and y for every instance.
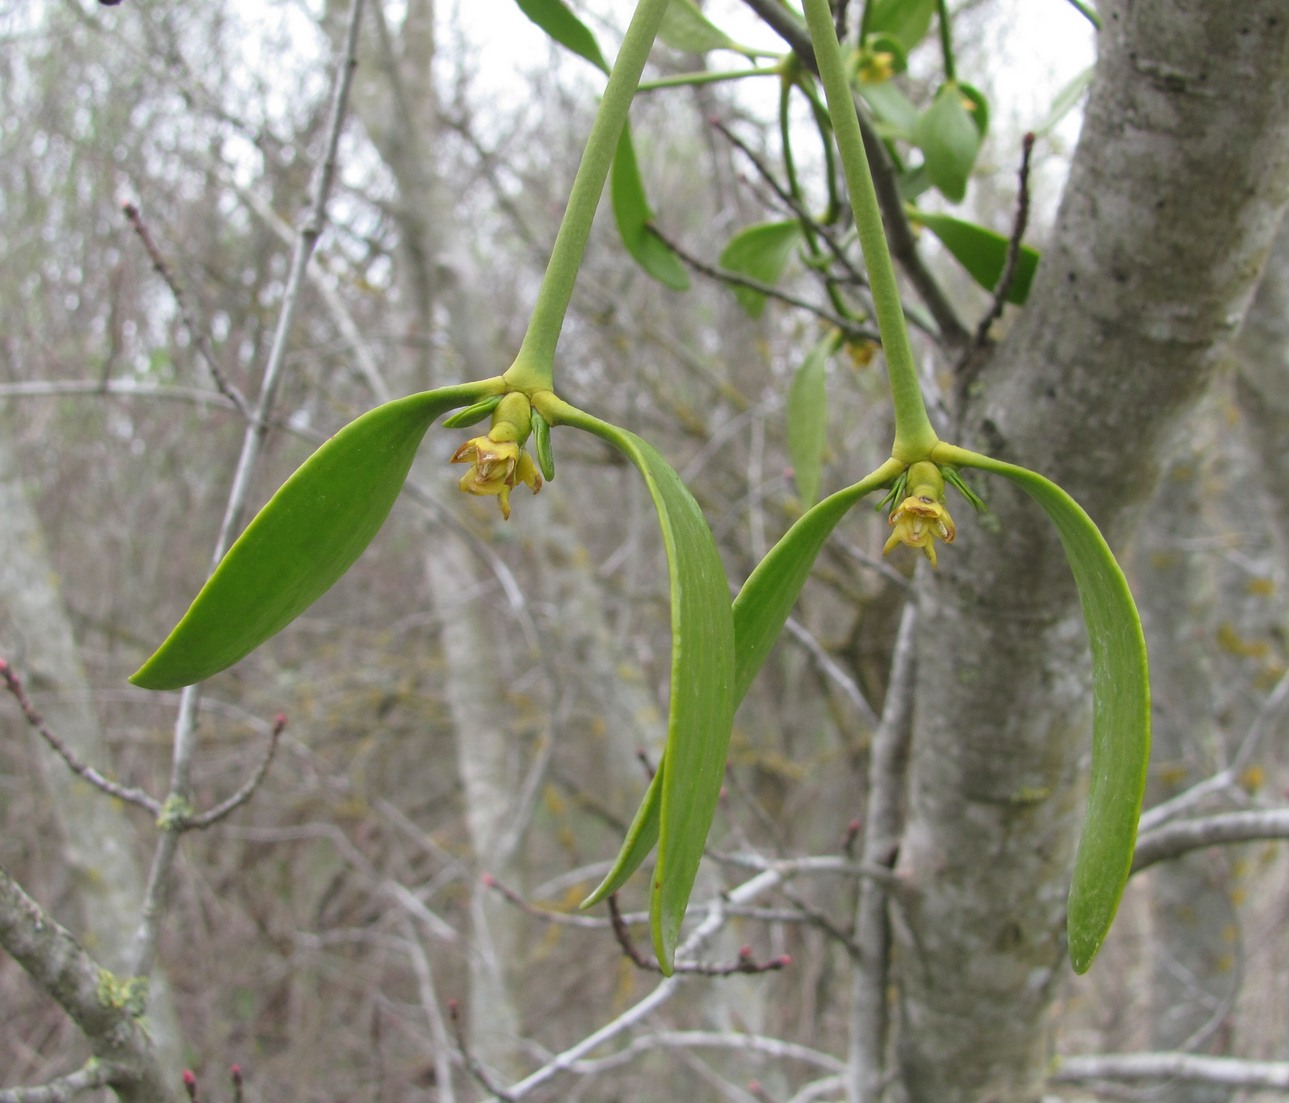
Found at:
(914, 436)
(533, 367)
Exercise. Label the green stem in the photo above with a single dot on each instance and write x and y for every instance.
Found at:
(914, 435)
(946, 40)
(534, 365)
(687, 80)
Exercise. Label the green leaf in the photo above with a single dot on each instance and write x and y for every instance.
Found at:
(1066, 100)
(633, 216)
(905, 20)
(949, 137)
(808, 419)
(308, 535)
(760, 612)
(555, 18)
(1120, 709)
(686, 28)
(762, 606)
(760, 252)
(982, 252)
(701, 715)
(895, 114)
(641, 838)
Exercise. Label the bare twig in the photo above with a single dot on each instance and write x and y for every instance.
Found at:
(198, 335)
(852, 331)
(547, 915)
(1174, 839)
(87, 773)
(471, 1062)
(1229, 778)
(745, 963)
(117, 388)
(234, 802)
(969, 362)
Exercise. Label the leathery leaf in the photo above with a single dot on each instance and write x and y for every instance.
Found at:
(759, 613)
(307, 535)
(692, 770)
(1120, 709)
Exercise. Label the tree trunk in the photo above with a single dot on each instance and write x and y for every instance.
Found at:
(1175, 190)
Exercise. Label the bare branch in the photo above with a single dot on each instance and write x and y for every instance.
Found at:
(87, 773)
(107, 1009)
(62, 1090)
(1188, 1067)
(1174, 839)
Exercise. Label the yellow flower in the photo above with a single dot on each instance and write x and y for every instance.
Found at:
(496, 467)
(922, 518)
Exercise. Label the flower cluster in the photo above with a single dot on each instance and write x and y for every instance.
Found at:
(921, 518)
(498, 461)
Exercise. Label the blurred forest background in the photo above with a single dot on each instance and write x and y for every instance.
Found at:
(480, 697)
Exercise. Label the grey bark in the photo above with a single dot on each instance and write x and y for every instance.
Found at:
(1262, 384)
(1176, 186)
(108, 1010)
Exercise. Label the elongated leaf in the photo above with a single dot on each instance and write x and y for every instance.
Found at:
(762, 606)
(557, 20)
(692, 771)
(633, 216)
(1120, 709)
(949, 138)
(641, 838)
(761, 252)
(808, 419)
(308, 535)
(760, 612)
(686, 28)
(905, 20)
(1066, 100)
(982, 252)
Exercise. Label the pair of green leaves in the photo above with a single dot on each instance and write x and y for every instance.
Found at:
(1121, 685)
(323, 517)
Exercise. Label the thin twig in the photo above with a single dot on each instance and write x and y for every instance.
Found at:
(127, 793)
(853, 274)
(745, 963)
(969, 362)
(200, 341)
(472, 1064)
(850, 329)
(234, 802)
(1187, 1067)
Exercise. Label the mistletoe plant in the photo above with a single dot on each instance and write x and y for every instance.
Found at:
(329, 510)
